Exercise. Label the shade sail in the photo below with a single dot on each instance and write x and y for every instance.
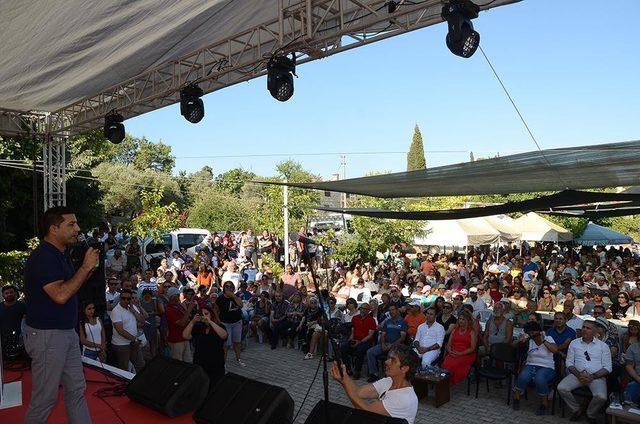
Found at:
(594, 213)
(564, 199)
(458, 232)
(595, 234)
(598, 166)
(533, 227)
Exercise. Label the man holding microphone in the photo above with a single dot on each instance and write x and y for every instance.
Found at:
(50, 339)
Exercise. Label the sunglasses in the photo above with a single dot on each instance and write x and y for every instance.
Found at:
(586, 355)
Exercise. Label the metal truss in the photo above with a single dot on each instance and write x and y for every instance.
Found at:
(54, 166)
(311, 29)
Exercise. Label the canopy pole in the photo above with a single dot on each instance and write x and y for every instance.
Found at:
(285, 213)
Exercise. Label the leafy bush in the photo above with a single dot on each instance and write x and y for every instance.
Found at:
(12, 267)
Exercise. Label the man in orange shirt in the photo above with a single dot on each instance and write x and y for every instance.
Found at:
(427, 267)
(414, 318)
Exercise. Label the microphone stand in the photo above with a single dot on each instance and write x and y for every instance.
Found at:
(325, 336)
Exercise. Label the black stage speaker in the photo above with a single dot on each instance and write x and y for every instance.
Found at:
(239, 400)
(340, 414)
(169, 386)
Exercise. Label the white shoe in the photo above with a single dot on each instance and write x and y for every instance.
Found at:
(308, 356)
(240, 363)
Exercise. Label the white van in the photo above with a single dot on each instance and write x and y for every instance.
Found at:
(182, 237)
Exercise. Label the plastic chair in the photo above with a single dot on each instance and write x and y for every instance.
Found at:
(508, 355)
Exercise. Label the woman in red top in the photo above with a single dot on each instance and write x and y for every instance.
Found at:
(461, 349)
(494, 291)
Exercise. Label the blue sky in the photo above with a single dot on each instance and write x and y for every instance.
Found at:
(571, 66)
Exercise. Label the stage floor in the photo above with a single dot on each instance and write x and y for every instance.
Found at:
(118, 409)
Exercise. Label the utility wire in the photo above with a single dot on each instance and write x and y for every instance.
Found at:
(524, 122)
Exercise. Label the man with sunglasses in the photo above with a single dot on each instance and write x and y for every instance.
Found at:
(588, 363)
(125, 344)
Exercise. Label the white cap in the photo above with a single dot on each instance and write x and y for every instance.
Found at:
(473, 290)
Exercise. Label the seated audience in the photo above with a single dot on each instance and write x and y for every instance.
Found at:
(588, 363)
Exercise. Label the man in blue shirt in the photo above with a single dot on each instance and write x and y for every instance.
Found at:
(50, 338)
(561, 334)
(393, 331)
(529, 265)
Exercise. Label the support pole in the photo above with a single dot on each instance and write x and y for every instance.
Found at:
(285, 213)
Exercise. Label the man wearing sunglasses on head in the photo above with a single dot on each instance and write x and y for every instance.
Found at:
(588, 362)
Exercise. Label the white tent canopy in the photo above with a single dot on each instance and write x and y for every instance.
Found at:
(533, 227)
(595, 234)
(505, 225)
(458, 232)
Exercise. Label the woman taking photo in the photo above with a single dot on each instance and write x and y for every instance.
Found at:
(208, 337)
(539, 366)
(92, 335)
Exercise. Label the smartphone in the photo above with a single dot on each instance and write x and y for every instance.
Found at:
(337, 355)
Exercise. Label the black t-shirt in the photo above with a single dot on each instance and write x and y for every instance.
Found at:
(11, 317)
(208, 352)
(229, 310)
(45, 265)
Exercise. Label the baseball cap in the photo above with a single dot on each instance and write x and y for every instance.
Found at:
(473, 290)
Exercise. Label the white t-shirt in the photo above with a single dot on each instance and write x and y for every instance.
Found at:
(128, 320)
(399, 403)
(540, 356)
(360, 294)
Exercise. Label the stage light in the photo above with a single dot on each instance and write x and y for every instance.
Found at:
(392, 6)
(191, 105)
(113, 127)
(462, 40)
(280, 71)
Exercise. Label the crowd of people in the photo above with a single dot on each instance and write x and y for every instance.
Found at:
(572, 313)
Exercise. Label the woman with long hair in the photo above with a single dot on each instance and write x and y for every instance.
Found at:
(208, 336)
(461, 349)
(92, 335)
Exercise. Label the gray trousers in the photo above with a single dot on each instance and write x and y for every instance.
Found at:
(127, 353)
(598, 389)
(55, 358)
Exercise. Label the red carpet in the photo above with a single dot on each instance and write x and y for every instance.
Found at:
(128, 411)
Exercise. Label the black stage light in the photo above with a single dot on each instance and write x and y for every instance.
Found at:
(392, 6)
(280, 71)
(462, 40)
(191, 105)
(113, 127)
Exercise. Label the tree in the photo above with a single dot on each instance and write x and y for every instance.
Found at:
(16, 193)
(220, 211)
(122, 186)
(192, 186)
(233, 181)
(271, 201)
(154, 156)
(155, 219)
(372, 235)
(471, 158)
(415, 157)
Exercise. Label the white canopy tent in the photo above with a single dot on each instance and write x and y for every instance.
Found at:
(595, 234)
(505, 225)
(458, 232)
(533, 227)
